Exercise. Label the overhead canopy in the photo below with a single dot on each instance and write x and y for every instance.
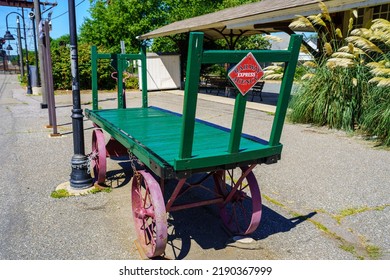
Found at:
(17, 3)
(23, 3)
(266, 16)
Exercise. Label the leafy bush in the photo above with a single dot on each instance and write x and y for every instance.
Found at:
(132, 83)
(62, 77)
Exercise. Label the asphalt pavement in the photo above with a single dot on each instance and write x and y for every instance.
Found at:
(328, 197)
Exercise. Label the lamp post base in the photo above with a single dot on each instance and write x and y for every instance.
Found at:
(80, 178)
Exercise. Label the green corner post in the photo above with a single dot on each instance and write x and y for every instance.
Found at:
(285, 90)
(94, 58)
(191, 94)
(144, 77)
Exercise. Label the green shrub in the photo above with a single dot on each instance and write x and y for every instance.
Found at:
(62, 77)
(132, 83)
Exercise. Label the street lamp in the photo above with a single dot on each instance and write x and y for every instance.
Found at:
(79, 177)
(8, 36)
(31, 15)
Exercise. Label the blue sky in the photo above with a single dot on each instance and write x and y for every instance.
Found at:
(60, 20)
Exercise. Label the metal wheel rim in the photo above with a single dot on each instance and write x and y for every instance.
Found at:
(149, 214)
(235, 213)
(99, 161)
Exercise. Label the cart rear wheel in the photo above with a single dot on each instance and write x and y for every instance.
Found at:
(241, 209)
(149, 214)
(99, 156)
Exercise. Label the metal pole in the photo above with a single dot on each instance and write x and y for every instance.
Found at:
(79, 177)
(42, 38)
(50, 87)
(37, 11)
(29, 90)
(20, 49)
(32, 16)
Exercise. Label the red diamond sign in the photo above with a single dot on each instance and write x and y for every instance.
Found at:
(246, 73)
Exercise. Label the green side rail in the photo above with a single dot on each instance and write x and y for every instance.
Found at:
(197, 57)
(119, 62)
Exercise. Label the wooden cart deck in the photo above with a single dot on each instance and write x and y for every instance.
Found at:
(153, 135)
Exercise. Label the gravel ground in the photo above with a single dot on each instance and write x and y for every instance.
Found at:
(328, 198)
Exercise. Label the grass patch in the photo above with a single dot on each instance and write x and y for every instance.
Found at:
(61, 193)
(348, 248)
(273, 201)
(99, 189)
(357, 210)
(374, 252)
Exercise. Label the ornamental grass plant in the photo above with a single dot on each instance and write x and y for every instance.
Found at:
(331, 97)
(376, 117)
(347, 85)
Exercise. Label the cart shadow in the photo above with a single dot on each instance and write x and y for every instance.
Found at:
(204, 226)
(120, 175)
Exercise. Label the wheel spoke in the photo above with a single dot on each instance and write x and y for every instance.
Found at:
(241, 211)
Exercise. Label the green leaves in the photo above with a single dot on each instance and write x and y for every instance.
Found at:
(60, 55)
(123, 20)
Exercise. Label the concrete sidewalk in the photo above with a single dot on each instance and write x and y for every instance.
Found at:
(328, 198)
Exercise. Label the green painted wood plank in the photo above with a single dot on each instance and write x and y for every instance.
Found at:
(152, 130)
(285, 90)
(237, 123)
(191, 93)
(94, 58)
(225, 56)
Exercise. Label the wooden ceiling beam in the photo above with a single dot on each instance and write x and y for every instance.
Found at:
(23, 3)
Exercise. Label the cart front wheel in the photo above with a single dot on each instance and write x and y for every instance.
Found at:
(241, 209)
(149, 214)
(99, 156)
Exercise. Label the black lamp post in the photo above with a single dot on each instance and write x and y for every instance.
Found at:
(79, 177)
(31, 15)
(9, 36)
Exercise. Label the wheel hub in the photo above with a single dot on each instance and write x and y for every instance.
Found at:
(143, 213)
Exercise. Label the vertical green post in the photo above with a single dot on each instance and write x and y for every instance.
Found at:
(144, 78)
(191, 94)
(285, 90)
(94, 59)
(120, 70)
(237, 123)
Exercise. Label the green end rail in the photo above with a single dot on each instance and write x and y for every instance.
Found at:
(197, 57)
(119, 62)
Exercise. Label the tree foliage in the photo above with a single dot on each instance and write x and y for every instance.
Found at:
(62, 77)
(116, 20)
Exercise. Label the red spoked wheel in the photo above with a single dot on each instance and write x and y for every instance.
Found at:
(241, 209)
(99, 156)
(149, 214)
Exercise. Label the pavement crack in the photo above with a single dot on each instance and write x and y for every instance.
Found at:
(357, 210)
(349, 241)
